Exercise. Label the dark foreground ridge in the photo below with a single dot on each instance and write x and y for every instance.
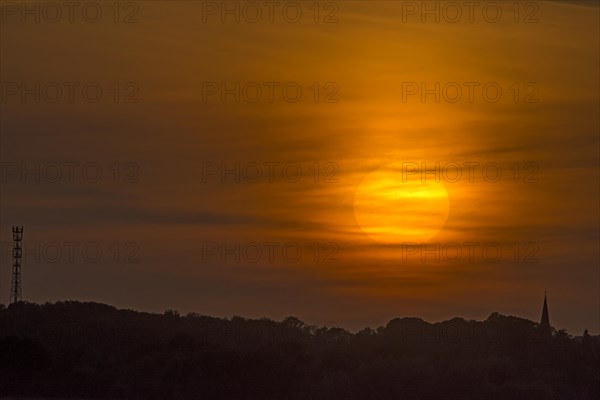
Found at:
(71, 350)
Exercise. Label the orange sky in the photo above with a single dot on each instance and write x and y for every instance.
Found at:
(366, 126)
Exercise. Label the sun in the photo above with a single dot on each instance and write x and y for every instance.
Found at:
(390, 209)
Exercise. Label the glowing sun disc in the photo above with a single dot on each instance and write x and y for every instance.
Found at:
(390, 210)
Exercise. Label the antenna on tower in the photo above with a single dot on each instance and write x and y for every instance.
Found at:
(15, 290)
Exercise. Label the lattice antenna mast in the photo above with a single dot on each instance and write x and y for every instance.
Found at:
(15, 289)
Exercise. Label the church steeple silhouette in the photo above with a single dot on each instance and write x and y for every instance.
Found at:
(545, 318)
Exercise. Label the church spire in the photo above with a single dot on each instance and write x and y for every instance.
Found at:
(545, 318)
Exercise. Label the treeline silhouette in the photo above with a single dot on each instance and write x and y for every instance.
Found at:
(71, 350)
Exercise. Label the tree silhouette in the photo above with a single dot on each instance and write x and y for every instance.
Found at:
(72, 350)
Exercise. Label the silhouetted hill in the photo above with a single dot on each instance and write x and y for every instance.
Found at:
(90, 350)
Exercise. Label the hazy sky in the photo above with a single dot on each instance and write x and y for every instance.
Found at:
(273, 168)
